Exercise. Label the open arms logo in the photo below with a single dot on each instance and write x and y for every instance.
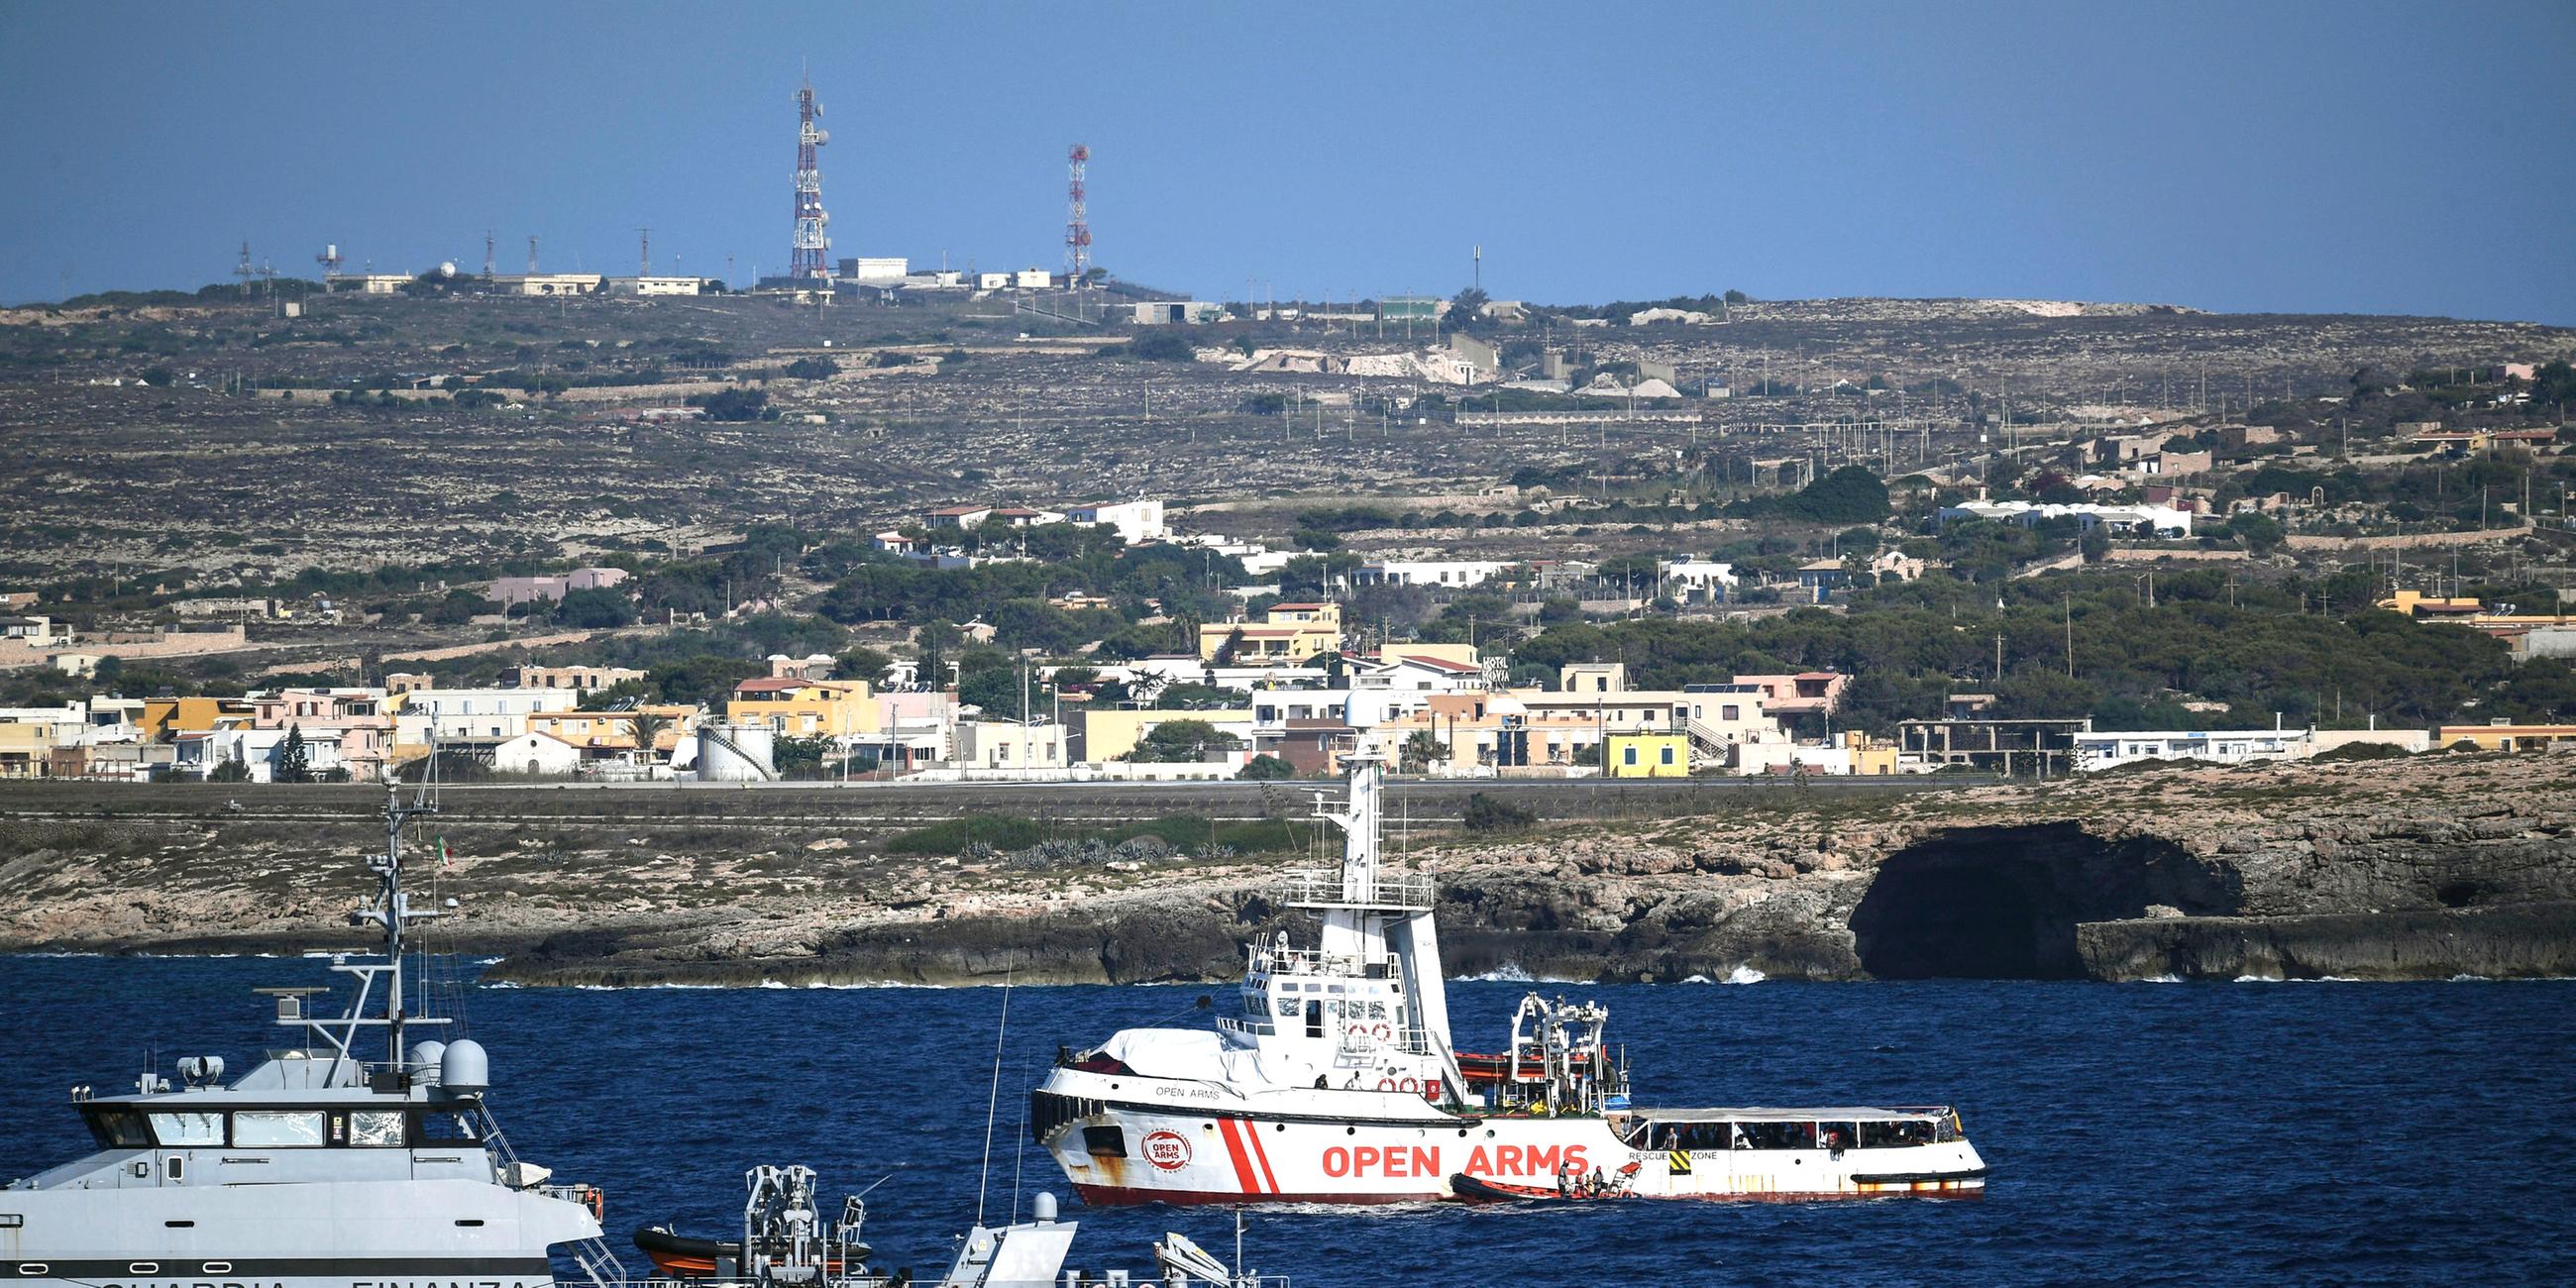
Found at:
(1167, 1150)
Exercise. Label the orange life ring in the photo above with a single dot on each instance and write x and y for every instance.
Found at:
(1407, 1083)
(1386, 1084)
(596, 1201)
(1380, 1031)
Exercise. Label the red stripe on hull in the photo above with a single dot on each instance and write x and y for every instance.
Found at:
(1122, 1196)
(1243, 1176)
(1260, 1155)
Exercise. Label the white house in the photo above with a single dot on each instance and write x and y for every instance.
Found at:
(473, 713)
(1701, 580)
(1036, 747)
(1452, 573)
(2106, 750)
(2137, 520)
(1137, 522)
(538, 755)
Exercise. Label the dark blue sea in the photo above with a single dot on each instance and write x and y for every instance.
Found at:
(2140, 1133)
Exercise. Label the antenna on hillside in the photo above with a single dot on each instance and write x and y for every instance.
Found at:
(487, 255)
(644, 252)
(532, 254)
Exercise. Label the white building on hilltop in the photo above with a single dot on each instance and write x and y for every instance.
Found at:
(1137, 522)
(2131, 520)
(1452, 573)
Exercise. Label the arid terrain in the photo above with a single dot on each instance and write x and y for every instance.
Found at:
(2430, 867)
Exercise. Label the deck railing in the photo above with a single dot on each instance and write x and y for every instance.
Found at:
(1331, 887)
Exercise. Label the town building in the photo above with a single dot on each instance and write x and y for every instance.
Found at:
(1175, 312)
(802, 708)
(579, 679)
(1698, 581)
(2109, 749)
(656, 285)
(549, 284)
(1137, 522)
(1288, 633)
(1647, 755)
(1451, 573)
(2129, 520)
(522, 590)
(1008, 745)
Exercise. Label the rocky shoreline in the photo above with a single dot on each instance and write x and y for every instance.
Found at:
(2426, 868)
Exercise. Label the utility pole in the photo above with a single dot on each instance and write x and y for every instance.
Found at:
(2070, 636)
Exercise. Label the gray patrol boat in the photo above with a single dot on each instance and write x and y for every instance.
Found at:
(318, 1168)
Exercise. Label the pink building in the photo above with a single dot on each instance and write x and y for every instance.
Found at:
(1806, 693)
(344, 727)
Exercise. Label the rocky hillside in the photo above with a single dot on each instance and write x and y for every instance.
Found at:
(2398, 869)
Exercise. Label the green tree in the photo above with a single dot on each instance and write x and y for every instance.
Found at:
(736, 404)
(1267, 767)
(648, 731)
(1486, 813)
(1176, 741)
(294, 759)
(1419, 749)
(595, 608)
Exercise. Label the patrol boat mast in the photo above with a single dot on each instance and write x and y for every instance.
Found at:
(222, 1183)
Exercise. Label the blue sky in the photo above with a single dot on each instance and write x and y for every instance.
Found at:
(2391, 158)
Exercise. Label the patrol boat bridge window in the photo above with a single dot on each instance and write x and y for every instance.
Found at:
(116, 1128)
(278, 1128)
(190, 1127)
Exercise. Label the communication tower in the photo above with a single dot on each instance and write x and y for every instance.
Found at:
(1077, 224)
(532, 254)
(243, 270)
(805, 262)
(488, 269)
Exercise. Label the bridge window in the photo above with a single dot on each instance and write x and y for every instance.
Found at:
(119, 1129)
(278, 1128)
(375, 1127)
(189, 1128)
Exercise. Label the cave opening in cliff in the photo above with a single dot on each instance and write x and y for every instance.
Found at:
(2004, 902)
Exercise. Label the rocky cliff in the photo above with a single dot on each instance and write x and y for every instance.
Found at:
(2434, 866)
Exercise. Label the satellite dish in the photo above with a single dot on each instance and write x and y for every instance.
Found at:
(822, 137)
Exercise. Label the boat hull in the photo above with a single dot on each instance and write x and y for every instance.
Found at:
(1124, 1152)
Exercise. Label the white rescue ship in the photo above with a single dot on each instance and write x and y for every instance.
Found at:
(1339, 1084)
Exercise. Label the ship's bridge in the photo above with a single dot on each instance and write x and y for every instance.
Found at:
(1355, 889)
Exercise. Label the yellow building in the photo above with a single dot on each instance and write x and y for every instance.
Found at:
(166, 718)
(27, 749)
(1648, 755)
(1287, 633)
(2507, 737)
(802, 708)
(614, 731)
(1869, 756)
(1110, 734)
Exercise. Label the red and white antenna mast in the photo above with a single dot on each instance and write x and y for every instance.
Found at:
(1077, 224)
(805, 262)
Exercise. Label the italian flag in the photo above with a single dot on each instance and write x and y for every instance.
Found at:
(443, 860)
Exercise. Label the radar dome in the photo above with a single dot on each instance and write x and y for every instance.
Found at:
(447, 268)
(1042, 1209)
(425, 1056)
(463, 1068)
